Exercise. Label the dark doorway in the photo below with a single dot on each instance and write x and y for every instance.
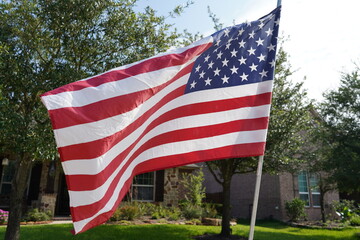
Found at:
(62, 201)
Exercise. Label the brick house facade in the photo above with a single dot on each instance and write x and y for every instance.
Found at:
(275, 190)
(47, 187)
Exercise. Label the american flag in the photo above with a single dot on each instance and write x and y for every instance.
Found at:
(208, 101)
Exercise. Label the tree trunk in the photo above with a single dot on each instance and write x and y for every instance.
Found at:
(226, 209)
(19, 185)
(322, 206)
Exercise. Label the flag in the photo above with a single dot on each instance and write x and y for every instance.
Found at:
(208, 101)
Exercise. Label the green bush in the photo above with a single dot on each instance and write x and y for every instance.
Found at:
(355, 220)
(209, 210)
(174, 214)
(295, 209)
(129, 212)
(345, 209)
(193, 186)
(192, 211)
(35, 215)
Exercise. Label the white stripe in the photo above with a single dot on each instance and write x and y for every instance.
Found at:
(97, 130)
(168, 149)
(96, 165)
(81, 198)
(131, 84)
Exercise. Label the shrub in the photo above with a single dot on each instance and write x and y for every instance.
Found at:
(129, 212)
(35, 215)
(116, 216)
(193, 186)
(174, 214)
(345, 209)
(295, 209)
(355, 220)
(4, 215)
(192, 211)
(209, 210)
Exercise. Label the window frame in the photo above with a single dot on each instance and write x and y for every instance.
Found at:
(310, 188)
(133, 185)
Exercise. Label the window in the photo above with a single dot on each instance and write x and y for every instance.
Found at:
(143, 188)
(6, 178)
(309, 189)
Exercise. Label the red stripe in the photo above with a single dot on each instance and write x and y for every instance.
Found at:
(90, 182)
(92, 150)
(148, 65)
(240, 150)
(66, 117)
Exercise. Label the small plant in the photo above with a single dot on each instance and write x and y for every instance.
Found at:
(209, 210)
(129, 212)
(192, 211)
(35, 215)
(116, 216)
(4, 215)
(174, 214)
(355, 220)
(193, 186)
(345, 209)
(295, 209)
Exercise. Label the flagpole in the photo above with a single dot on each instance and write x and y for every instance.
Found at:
(257, 185)
(256, 197)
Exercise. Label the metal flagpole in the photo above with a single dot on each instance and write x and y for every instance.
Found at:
(257, 186)
(256, 197)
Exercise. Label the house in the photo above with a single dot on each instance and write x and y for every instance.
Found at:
(47, 190)
(47, 186)
(275, 190)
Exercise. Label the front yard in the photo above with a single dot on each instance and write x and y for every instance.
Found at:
(264, 231)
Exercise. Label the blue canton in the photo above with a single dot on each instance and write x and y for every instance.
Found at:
(241, 54)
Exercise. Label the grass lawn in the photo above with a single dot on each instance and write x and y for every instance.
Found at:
(263, 231)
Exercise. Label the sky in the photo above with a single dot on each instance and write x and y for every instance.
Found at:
(323, 35)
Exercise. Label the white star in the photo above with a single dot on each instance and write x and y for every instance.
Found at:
(230, 40)
(192, 85)
(261, 25)
(208, 81)
(261, 58)
(272, 63)
(242, 60)
(242, 44)
(271, 47)
(253, 67)
(269, 32)
(277, 22)
(225, 79)
(219, 55)
(248, 24)
(225, 62)
(217, 43)
(226, 32)
(241, 31)
(234, 70)
(228, 45)
(251, 51)
(233, 53)
(210, 65)
(263, 73)
(251, 35)
(244, 77)
(217, 72)
(259, 42)
(207, 58)
(197, 68)
(202, 74)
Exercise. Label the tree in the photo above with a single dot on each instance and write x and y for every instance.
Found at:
(45, 44)
(289, 122)
(340, 112)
